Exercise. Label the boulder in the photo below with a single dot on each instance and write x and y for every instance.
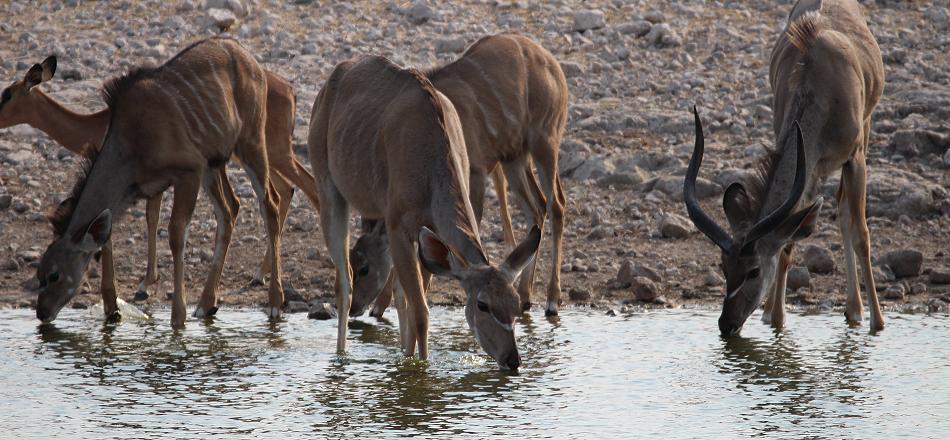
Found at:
(818, 259)
(675, 226)
(904, 263)
(588, 19)
(322, 311)
(798, 277)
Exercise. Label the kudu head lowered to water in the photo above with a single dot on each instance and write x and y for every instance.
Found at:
(750, 254)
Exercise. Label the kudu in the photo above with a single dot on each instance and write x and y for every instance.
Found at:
(511, 97)
(827, 76)
(385, 141)
(24, 103)
(174, 125)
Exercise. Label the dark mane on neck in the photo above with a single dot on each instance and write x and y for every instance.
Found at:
(802, 34)
(60, 216)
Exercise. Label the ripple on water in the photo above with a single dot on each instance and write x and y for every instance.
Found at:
(647, 374)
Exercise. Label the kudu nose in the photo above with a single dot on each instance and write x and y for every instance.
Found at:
(43, 314)
(513, 361)
(728, 328)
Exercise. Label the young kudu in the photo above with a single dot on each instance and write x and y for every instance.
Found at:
(827, 76)
(511, 97)
(385, 141)
(24, 103)
(175, 125)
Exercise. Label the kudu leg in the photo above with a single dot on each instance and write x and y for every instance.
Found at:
(334, 222)
(545, 160)
(406, 264)
(501, 188)
(525, 186)
(219, 192)
(384, 298)
(777, 310)
(476, 194)
(257, 170)
(857, 239)
(183, 206)
(153, 211)
(110, 305)
(286, 193)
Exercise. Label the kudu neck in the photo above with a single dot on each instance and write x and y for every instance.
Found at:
(70, 129)
(109, 185)
(781, 174)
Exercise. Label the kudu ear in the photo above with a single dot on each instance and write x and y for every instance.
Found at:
(49, 67)
(97, 233)
(33, 76)
(519, 258)
(437, 257)
(735, 202)
(801, 224)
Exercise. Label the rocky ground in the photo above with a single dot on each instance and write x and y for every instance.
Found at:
(635, 68)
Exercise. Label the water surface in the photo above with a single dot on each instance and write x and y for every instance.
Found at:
(585, 375)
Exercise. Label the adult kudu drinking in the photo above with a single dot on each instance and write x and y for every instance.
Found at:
(385, 141)
(511, 98)
(827, 76)
(175, 125)
(25, 103)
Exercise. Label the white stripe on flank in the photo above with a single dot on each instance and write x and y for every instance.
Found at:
(501, 103)
(198, 97)
(194, 118)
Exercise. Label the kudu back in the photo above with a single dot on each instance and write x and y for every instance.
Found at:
(827, 76)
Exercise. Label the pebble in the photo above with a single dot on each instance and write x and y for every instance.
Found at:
(904, 263)
(818, 259)
(419, 12)
(11, 265)
(713, 279)
(637, 28)
(322, 311)
(798, 277)
(450, 45)
(572, 70)
(6, 200)
(629, 271)
(675, 226)
(296, 307)
(588, 19)
(662, 35)
(223, 19)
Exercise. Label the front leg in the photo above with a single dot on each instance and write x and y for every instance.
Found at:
(334, 222)
(778, 294)
(110, 306)
(153, 211)
(186, 195)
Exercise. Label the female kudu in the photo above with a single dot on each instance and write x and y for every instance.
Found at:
(511, 97)
(172, 125)
(384, 140)
(827, 75)
(24, 103)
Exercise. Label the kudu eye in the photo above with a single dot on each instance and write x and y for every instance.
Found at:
(6, 96)
(752, 274)
(482, 305)
(53, 277)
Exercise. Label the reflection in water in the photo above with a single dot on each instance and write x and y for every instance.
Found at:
(585, 375)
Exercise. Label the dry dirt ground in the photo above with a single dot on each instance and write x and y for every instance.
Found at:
(633, 79)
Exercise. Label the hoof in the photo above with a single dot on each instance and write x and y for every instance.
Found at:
(114, 317)
(766, 318)
(854, 319)
(140, 295)
(202, 313)
(376, 313)
(257, 281)
(273, 312)
(526, 306)
(550, 312)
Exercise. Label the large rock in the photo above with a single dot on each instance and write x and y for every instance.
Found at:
(904, 263)
(629, 271)
(419, 12)
(912, 143)
(662, 35)
(798, 277)
(572, 69)
(223, 19)
(675, 226)
(322, 311)
(672, 186)
(940, 276)
(236, 6)
(644, 289)
(893, 192)
(818, 259)
(588, 19)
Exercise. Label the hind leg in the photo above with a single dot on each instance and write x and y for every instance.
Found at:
(219, 191)
(857, 239)
(285, 192)
(524, 185)
(544, 152)
(501, 188)
(334, 223)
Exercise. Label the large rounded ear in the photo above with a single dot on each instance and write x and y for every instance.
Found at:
(33, 76)
(97, 233)
(735, 202)
(519, 258)
(49, 67)
(801, 224)
(437, 257)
